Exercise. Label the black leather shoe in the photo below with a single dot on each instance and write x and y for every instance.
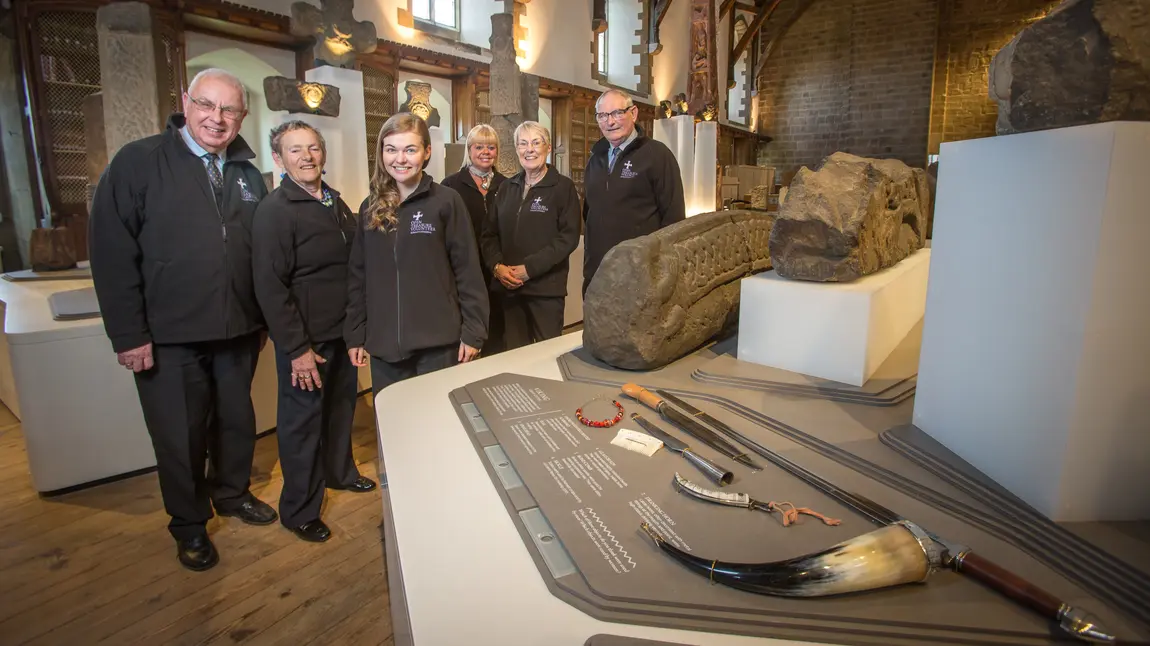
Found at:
(253, 512)
(315, 531)
(197, 554)
(360, 485)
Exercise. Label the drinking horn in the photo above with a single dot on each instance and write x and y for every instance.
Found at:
(891, 555)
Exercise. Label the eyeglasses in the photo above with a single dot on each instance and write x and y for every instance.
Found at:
(535, 144)
(207, 107)
(616, 114)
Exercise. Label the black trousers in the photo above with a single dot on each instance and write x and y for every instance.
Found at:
(494, 343)
(314, 432)
(197, 400)
(527, 319)
(386, 373)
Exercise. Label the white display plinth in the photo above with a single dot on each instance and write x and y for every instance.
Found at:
(705, 176)
(837, 331)
(436, 164)
(684, 150)
(1035, 364)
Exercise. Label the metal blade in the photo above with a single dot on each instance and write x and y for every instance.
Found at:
(668, 441)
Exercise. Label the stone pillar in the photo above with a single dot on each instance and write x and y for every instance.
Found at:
(128, 73)
(23, 217)
(95, 142)
(506, 91)
(529, 96)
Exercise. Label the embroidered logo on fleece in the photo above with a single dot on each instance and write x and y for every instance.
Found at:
(537, 206)
(245, 194)
(627, 173)
(419, 226)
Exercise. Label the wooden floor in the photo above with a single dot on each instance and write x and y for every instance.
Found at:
(99, 567)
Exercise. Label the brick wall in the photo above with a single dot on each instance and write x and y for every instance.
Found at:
(970, 33)
(882, 78)
(850, 75)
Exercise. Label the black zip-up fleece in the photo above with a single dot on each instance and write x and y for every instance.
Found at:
(539, 231)
(301, 248)
(640, 195)
(478, 204)
(169, 265)
(419, 286)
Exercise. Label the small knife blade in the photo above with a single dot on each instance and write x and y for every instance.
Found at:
(714, 472)
(668, 441)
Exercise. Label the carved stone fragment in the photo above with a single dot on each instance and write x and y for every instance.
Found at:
(1086, 61)
(128, 73)
(283, 93)
(658, 297)
(419, 102)
(851, 217)
(760, 196)
(338, 35)
(506, 91)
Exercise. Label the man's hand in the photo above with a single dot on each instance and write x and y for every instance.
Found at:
(304, 372)
(520, 273)
(138, 359)
(466, 352)
(358, 357)
(507, 277)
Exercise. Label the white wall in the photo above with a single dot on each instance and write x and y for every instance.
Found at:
(558, 43)
(252, 64)
(440, 97)
(669, 67)
(622, 22)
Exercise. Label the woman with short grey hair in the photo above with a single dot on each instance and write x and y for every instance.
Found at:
(301, 241)
(527, 239)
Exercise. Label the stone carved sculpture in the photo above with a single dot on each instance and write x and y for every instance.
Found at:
(702, 80)
(1087, 61)
(295, 96)
(760, 196)
(338, 35)
(419, 102)
(851, 217)
(129, 73)
(658, 297)
(506, 91)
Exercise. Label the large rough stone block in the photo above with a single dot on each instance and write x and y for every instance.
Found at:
(295, 96)
(1087, 61)
(657, 297)
(128, 73)
(851, 217)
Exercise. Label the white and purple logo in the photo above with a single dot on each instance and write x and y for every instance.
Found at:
(627, 173)
(245, 194)
(419, 226)
(537, 206)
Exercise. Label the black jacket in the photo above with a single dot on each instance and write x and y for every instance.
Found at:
(478, 204)
(538, 231)
(168, 265)
(418, 286)
(640, 195)
(301, 249)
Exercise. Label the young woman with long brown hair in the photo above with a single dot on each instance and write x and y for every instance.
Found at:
(416, 298)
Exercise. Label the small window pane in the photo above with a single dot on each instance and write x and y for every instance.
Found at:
(421, 9)
(603, 53)
(445, 13)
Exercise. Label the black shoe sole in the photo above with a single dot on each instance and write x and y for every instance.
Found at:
(309, 538)
(200, 568)
(248, 521)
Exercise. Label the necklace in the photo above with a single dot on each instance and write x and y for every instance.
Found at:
(599, 424)
(484, 177)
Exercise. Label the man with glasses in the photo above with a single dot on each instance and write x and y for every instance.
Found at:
(632, 185)
(171, 260)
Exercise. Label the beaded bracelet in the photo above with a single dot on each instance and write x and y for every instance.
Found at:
(599, 424)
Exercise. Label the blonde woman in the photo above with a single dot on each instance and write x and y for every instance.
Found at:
(477, 182)
(416, 299)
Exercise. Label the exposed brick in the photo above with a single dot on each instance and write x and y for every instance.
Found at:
(883, 78)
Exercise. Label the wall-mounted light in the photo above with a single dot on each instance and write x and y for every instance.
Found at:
(312, 94)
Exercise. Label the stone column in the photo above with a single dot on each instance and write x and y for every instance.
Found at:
(506, 91)
(23, 217)
(529, 96)
(128, 73)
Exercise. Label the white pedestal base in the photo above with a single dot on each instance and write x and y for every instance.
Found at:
(837, 331)
(1035, 362)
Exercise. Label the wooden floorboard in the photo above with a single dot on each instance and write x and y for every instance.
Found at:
(98, 566)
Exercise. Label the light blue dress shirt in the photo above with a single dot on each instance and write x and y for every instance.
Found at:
(199, 151)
